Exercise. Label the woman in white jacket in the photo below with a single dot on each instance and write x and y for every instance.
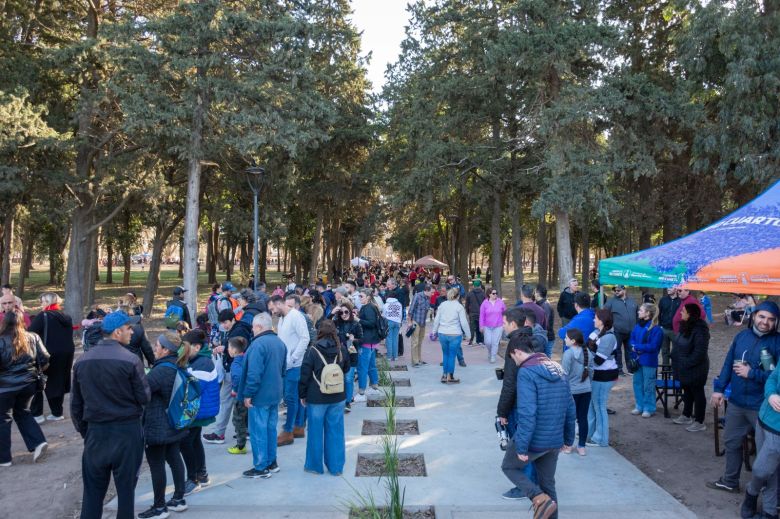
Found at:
(451, 325)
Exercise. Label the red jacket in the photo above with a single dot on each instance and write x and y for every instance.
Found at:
(688, 300)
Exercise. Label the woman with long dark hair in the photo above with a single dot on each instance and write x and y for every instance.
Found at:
(163, 441)
(602, 344)
(22, 357)
(578, 365)
(56, 329)
(350, 335)
(324, 411)
(691, 365)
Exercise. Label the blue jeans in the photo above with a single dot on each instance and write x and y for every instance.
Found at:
(549, 349)
(296, 413)
(598, 421)
(450, 345)
(391, 341)
(325, 438)
(349, 384)
(459, 352)
(644, 389)
(367, 368)
(262, 434)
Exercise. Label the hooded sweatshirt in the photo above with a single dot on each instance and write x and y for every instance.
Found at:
(545, 407)
(202, 367)
(747, 345)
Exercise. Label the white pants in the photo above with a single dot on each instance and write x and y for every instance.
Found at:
(492, 338)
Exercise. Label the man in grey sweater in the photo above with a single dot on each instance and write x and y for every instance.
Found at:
(624, 312)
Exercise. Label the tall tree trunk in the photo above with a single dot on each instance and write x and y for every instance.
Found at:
(517, 242)
(563, 248)
(315, 255)
(462, 260)
(263, 260)
(27, 251)
(585, 251)
(211, 269)
(8, 234)
(126, 253)
(246, 263)
(180, 274)
(162, 233)
(544, 258)
(109, 261)
(496, 262)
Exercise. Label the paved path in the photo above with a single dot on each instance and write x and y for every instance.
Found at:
(458, 441)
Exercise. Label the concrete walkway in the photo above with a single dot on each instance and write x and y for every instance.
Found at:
(458, 441)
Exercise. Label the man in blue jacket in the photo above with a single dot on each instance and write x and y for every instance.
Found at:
(746, 374)
(545, 423)
(583, 321)
(262, 389)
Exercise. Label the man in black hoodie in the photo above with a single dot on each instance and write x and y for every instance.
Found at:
(474, 301)
(230, 328)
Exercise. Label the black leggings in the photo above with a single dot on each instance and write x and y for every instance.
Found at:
(581, 404)
(694, 401)
(55, 404)
(156, 456)
(194, 455)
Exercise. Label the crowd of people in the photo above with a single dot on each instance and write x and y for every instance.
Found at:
(305, 349)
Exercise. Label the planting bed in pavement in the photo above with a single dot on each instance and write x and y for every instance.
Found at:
(409, 465)
(401, 382)
(400, 401)
(374, 427)
(409, 513)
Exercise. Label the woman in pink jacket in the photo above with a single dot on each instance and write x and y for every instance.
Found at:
(491, 322)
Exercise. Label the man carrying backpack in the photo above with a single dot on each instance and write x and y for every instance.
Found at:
(109, 394)
(176, 310)
(265, 364)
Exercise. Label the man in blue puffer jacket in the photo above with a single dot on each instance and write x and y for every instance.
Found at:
(742, 369)
(545, 423)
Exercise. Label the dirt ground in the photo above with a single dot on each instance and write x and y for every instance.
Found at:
(679, 461)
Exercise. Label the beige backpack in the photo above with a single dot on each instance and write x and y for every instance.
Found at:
(332, 378)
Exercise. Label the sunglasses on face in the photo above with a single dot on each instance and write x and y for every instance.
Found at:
(494, 293)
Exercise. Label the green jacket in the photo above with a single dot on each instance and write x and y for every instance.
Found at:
(766, 414)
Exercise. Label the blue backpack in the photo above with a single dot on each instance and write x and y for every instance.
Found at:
(184, 405)
(173, 314)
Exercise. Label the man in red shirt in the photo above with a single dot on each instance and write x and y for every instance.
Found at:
(685, 298)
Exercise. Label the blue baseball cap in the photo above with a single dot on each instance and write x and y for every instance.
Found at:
(227, 285)
(115, 320)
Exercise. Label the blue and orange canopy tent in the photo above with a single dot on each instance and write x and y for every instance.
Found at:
(739, 253)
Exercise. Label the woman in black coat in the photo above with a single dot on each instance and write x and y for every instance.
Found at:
(162, 439)
(350, 335)
(56, 330)
(369, 320)
(21, 355)
(691, 365)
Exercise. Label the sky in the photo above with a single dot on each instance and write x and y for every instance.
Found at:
(382, 23)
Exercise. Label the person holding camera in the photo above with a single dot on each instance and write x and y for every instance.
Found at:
(350, 334)
(545, 425)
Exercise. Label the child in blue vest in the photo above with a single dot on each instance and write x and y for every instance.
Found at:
(236, 347)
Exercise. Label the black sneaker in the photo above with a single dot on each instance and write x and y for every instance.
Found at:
(720, 485)
(204, 480)
(214, 438)
(176, 505)
(462, 364)
(273, 467)
(256, 474)
(190, 486)
(348, 408)
(749, 506)
(156, 513)
(611, 411)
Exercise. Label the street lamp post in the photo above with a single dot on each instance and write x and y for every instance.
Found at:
(254, 177)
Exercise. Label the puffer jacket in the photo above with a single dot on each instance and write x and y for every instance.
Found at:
(203, 368)
(157, 427)
(18, 373)
(545, 407)
(748, 392)
(690, 361)
(312, 367)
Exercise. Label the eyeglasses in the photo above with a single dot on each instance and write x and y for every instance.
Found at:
(345, 312)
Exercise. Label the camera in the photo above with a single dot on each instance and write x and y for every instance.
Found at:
(503, 439)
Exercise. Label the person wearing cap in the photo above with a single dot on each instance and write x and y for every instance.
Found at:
(744, 371)
(226, 301)
(178, 300)
(565, 306)
(624, 314)
(55, 327)
(139, 342)
(163, 441)
(474, 301)
(110, 391)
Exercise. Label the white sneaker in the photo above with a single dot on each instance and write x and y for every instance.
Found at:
(636, 412)
(40, 451)
(360, 398)
(53, 418)
(5, 464)
(696, 427)
(683, 420)
(40, 419)
(646, 414)
(492, 359)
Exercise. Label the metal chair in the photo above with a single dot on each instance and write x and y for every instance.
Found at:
(665, 386)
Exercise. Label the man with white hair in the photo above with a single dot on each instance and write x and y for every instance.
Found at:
(261, 389)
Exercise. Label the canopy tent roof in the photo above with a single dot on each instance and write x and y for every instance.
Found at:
(739, 253)
(429, 262)
(358, 262)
